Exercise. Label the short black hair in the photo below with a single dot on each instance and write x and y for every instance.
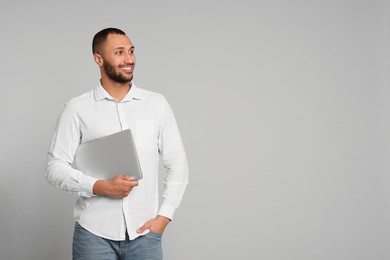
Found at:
(101, 37)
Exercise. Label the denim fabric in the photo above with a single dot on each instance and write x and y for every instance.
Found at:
(87, 246)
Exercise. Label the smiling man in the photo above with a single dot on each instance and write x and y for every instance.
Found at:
(120, 218)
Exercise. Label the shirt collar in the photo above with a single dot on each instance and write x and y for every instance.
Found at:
(134, 93)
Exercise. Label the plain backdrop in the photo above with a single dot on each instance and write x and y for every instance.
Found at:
(284, 109)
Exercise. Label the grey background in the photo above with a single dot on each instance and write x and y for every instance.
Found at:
(283, 108)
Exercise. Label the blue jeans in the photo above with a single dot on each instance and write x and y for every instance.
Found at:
(87, 246)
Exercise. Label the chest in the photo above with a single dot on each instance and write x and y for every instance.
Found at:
(107, 118)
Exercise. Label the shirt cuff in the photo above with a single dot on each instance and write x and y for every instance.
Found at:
(166, 211)
(88, 183)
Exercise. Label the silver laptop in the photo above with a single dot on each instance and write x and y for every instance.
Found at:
(109, 156)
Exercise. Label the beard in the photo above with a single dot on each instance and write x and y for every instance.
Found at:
(114, 74)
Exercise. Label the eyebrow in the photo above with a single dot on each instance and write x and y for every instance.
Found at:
(123, 48)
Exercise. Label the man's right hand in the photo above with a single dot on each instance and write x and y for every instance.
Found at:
(118, 187)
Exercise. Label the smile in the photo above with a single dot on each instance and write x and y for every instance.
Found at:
(127, 69)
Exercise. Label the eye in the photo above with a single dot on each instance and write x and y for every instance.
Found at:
(118, 52)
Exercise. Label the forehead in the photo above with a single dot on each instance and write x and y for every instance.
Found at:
(117, 40)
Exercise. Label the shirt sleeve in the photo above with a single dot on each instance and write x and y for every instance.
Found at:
(59, 171)
(174, 161)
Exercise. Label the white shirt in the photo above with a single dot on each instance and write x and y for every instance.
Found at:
(96, 114)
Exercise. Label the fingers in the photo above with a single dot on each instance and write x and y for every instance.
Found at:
(130, 179)
(156, 225)
(121, 186)
(145, 226)
(127, 188)
(126, 177)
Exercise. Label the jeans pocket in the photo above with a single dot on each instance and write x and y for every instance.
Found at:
(154, 234)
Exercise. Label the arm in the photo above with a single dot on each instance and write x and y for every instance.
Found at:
(59, 171)
(175, 162)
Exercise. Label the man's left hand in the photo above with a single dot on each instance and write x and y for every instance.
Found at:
(156, 225)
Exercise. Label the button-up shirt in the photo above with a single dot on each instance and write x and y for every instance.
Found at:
(96, 114)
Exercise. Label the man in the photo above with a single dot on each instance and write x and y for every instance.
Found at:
(119, 218)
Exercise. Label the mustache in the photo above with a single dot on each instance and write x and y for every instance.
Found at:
(126, 65)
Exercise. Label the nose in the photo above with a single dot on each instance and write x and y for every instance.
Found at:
(129, 58)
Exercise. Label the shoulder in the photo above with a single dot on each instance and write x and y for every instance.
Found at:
(81, 100)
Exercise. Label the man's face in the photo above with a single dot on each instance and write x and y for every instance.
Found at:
(118, 58)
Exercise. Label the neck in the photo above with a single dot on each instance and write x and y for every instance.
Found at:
(116, 90)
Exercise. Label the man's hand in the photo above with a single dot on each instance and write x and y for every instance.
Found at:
(118, 187)
(156, 225)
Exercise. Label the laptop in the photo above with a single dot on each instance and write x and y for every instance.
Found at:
(109, 156)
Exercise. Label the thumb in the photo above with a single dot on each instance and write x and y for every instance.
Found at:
(127, 178)
(144, 227)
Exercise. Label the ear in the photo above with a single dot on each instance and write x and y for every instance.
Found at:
(98, 59)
